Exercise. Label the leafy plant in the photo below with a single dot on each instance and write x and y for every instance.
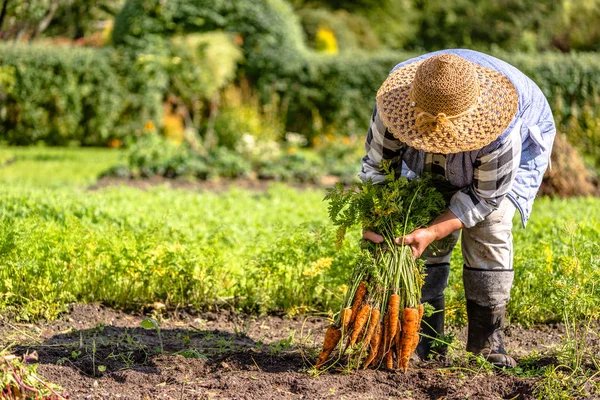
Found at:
(151, 323)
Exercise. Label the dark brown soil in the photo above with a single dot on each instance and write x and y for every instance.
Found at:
(240, 357)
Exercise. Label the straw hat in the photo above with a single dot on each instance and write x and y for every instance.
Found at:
(446, 104)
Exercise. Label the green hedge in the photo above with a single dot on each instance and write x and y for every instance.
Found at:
(70, 95)
(66, 95)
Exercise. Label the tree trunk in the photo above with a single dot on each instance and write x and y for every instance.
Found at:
(45, 21)
(3, 13)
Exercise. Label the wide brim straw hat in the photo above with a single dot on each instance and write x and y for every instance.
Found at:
(446, 104)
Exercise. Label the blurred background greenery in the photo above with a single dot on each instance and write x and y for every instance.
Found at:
(274, 89)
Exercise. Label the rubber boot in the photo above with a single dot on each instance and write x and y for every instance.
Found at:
(485, 334)
(487, 292)
(433, 326)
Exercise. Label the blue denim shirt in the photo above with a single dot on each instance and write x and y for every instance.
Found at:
(533, 119)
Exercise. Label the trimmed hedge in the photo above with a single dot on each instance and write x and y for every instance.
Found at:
(63, 95)
(67, 95)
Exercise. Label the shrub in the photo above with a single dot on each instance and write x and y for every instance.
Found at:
(351, 31)
(271, 34)
(200, 65)
(65, 95)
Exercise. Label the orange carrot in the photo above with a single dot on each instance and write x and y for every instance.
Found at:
(394, 312)
(375, 345)
(389, 359)
(410, 327)
(359, 323)
(373, 322)
(386, 331)
(381, 350)
(417, 337)
(332, 337)
(361, 291)
(345, 318)
(397, 343)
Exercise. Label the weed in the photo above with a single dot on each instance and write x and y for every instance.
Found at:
(151, 323)
(191, 353)
(275, 348)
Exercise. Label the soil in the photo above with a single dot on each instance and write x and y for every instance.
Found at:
(231, 356)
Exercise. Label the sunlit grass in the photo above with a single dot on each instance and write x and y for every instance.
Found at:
(251, 250)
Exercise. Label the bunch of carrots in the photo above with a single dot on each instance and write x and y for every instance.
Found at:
(379, 321)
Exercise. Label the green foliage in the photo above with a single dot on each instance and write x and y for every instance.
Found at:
(235, 121)
(351, 31)
(19, 378)
(570, 81)
(290, 166)
(60, 242)
(200, 65)
(392, 209)
(271, 34)
(65, 18)
(514, 24)
(64, 95)
(152, 154)
(189, 248)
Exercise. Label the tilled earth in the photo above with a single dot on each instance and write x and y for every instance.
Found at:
(99, 353)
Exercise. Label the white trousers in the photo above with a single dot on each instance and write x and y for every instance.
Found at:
(487, 246)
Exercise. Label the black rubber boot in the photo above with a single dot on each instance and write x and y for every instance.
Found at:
(485, 334)
(433, 326)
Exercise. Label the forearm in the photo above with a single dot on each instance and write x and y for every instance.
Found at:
(444, 225)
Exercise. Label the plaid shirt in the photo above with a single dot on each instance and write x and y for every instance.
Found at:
(482, 178)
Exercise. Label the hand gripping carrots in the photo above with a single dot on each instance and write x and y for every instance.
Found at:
(378, 325)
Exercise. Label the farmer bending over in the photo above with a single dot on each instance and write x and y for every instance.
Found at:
(486, 130)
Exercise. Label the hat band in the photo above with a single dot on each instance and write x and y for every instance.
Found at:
(441, 120)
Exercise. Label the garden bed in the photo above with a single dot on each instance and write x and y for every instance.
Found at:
(246, 357)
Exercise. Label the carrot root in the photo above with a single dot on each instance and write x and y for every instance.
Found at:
(359, 323)
(361, 291)
(332, 337)
(375, 345)
(410, 328)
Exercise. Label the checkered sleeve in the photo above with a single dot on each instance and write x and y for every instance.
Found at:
(493, 175)
(380, 145)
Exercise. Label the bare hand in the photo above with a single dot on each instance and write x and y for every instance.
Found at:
(418, 240)
(372, 237)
